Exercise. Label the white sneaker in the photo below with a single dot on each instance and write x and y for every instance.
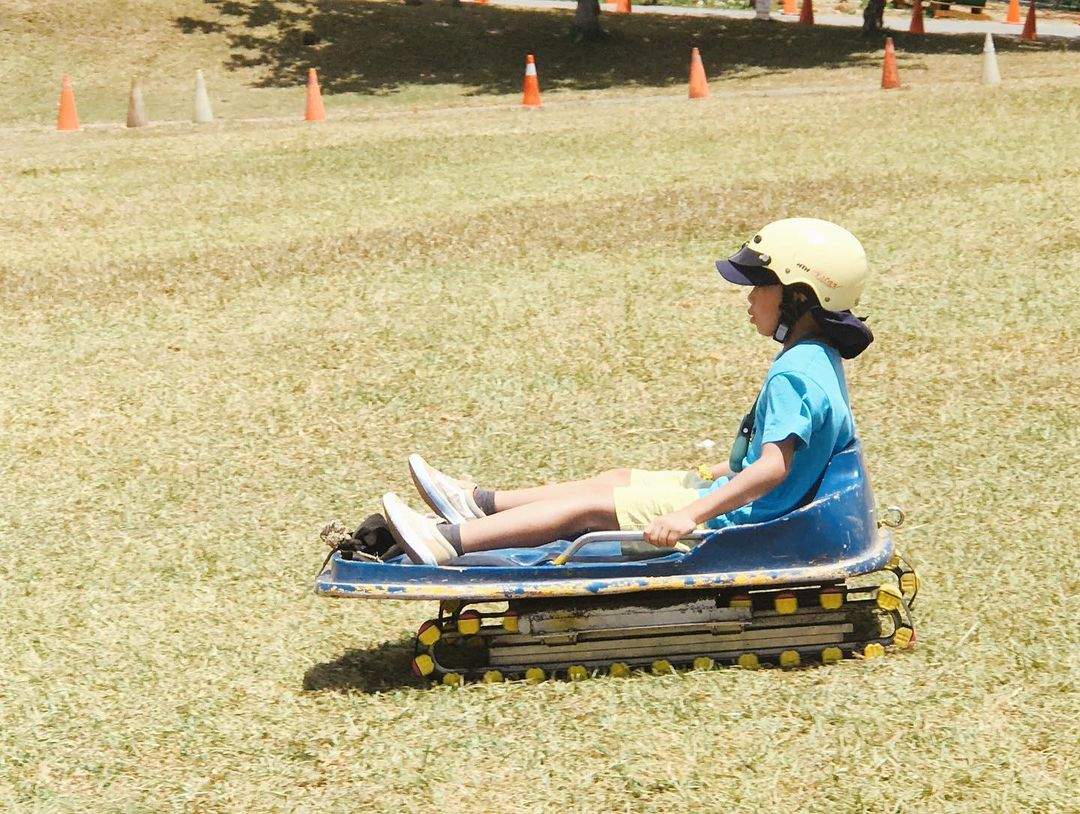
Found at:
(417, 534)
(448, 497)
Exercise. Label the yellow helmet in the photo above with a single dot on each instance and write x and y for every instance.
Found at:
(821, 255)
(824, 256)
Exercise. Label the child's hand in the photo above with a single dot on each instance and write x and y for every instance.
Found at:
(665, 531)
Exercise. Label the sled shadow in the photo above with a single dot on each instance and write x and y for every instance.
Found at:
(370, 47)
(387, 666)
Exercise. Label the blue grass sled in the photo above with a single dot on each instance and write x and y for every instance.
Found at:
(784, 591)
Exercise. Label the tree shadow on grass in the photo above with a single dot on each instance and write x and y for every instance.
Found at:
(371, 47)
(376, 669)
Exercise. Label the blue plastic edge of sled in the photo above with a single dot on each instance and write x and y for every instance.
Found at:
(832, 537)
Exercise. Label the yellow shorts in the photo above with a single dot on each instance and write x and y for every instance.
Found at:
(653, 494)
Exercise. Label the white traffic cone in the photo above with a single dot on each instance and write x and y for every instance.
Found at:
(203, 112)
(991, 76)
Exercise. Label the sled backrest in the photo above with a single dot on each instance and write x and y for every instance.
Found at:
(844, 468)
(837, 522)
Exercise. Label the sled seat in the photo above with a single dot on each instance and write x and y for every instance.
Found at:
(833, 537)
(837, 518)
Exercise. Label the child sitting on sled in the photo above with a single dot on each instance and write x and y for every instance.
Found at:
(806, 276)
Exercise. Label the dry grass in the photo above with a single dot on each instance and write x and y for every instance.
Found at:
(215, 339)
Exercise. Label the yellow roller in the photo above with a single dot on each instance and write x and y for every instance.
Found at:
(831, 655)
(534, 675)
(909, 583)
(740, 601)
(662, 667)
(452, 679)
(510, 622)
(493, 677)
(889, 598)
(576, 672)
(904, 636)
(423, 665)
(749, 661)
(468, 623)
(790, 658)
(786, 602)
(704, 663)
(873, 651)
(619, 670)
(429, 633)
(831, 599)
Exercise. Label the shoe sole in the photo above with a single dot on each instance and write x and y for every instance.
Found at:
(429, 493)
(409, 550)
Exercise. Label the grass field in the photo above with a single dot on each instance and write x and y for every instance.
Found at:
(215, 339)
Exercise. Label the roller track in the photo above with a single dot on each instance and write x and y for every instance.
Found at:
(661, 631)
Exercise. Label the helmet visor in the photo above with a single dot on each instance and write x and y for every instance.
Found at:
(747, 267)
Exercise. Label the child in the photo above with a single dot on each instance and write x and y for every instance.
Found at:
(806, 276)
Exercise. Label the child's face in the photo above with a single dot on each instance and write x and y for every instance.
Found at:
(764, 308)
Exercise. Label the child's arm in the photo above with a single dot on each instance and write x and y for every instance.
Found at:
(760, 478)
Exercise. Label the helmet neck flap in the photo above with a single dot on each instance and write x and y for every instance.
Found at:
(846, 332)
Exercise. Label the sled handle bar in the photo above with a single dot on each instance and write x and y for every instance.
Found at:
(620, 537)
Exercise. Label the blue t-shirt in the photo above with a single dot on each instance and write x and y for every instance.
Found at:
(805, 396)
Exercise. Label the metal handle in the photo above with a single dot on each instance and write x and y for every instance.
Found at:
(893, 517)
(620, 537)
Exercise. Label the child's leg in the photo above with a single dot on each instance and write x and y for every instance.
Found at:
(542, 521)
(599, 484)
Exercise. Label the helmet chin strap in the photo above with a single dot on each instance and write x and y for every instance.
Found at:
(792, 307)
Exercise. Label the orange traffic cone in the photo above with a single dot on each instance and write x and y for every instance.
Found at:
(1013, 16)
(530, 91)
(890, 76)
(806, 15)
(916, 26)
(314, 110)
(789, 7)
(622, 7)
(68, 117)
(699, 85)
(1028, 34)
